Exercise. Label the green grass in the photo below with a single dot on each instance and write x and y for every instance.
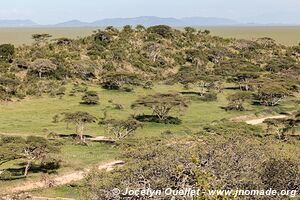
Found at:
(80, 157)
(31, 116)
(66, 191)
(74, 157)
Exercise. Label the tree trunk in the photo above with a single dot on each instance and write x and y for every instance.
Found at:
(27, 167)
(79, 132)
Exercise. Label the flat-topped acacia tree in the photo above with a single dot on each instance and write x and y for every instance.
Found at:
(271, 94)
(121, 129)
(43, 66)
(31, 149)
(37, 149)
(79, 119)
(162, 104)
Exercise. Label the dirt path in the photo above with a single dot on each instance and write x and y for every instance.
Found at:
(62, 179)
(261, 120)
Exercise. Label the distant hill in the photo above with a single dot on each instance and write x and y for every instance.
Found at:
(151, 21)
(72, 23)
(146, 21)
(269, 19)
(119, 22)
(17, 23)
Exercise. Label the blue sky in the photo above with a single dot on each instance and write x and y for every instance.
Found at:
(53, 11)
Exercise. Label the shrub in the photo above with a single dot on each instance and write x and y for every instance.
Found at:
(281, 174)
(7, 52)
(162, 30)
(236, 101)
(210, 96)
(90, 98)
(102, 38)
(6, 175)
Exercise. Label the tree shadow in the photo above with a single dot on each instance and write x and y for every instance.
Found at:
(156, 119)
(18, 172)
(72, 136)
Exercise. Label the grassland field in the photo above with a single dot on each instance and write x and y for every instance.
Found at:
(33, 115)
(287, 35)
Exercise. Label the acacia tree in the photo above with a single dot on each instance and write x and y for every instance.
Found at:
(290, 125)
(119, 81)
(10, 148)
(244, 79)
(274, 126)
(162, 30)
(43, 66)
(31, 149)
(236, 100)
(162, 104)
(79, 119)
(271, 94)
(282, 127)
(37, 148)
(121, 128)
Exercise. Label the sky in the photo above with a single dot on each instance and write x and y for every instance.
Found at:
(54, 11)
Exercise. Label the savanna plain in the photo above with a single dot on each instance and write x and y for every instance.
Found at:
(84, 111)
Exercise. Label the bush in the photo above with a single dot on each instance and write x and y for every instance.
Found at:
(6, 175)
(227, 127)
(90, 98)
(236, 101)
(7, 52)
(51, 164)
(281, 174)
(210, 96)
(175, 162)
(162, 30)
(102, 38)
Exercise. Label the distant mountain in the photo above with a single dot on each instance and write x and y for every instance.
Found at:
(280, 18)
(17, 23)
(146, 21)
(72, 23)
(152, 21)
(119, 22)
